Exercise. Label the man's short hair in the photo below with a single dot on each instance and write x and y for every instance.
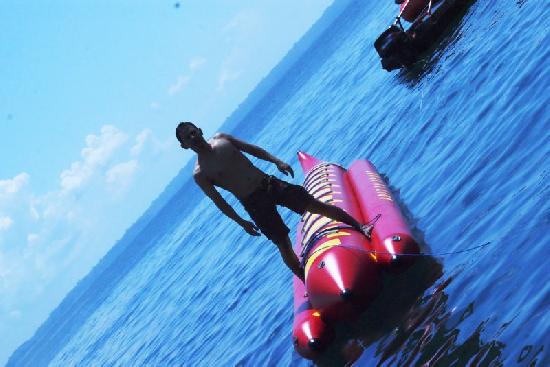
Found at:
(182, 125)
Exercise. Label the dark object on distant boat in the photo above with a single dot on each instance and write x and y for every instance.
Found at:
(398, 47)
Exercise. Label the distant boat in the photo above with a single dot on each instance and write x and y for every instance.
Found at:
(399, 47)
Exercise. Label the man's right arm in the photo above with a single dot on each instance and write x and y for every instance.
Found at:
(210, 191)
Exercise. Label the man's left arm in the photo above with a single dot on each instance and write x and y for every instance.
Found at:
(258, 152)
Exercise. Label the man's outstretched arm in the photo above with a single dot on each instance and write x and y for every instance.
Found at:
(210, 191)
(258, 152)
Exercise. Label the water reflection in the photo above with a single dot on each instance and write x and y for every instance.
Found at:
(404, 327)
(450, 35)
(393, 315)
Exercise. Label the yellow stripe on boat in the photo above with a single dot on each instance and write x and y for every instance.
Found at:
(338, 234)
(323, 198)
(323, 192)
(311, 218)
(317, 186)
(315, 227)
(319, 251)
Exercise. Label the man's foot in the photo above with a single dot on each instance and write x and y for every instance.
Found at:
(366, 229)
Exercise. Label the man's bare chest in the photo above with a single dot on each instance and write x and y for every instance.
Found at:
(221, 164)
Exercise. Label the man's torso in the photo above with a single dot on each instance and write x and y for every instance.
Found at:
(227, 167)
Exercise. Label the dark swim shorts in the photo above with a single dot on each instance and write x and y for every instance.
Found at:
(261, 205)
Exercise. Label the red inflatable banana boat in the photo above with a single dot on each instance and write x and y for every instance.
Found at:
(343, 267)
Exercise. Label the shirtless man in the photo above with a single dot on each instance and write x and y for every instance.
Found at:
(221, 162)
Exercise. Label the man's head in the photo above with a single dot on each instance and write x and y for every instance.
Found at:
(188, 134)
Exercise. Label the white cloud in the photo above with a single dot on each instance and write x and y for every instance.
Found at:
(98, 151)
(227, 75)
(182, 81)
(32, 238)
(100, 148)
(50, 240)
(5, 223)
(245, 22)
(239, 33)
(12, 186)
(196, 63)
(75, 176)
(162, 146)
(15, 314)
(141, 138)
(33, 211)
(120, 176)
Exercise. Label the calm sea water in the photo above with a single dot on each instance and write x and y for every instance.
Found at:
(463, 139)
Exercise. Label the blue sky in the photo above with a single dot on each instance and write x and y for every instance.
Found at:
(91, 94)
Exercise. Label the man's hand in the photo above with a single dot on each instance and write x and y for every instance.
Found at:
(250, 228)
(285, 168)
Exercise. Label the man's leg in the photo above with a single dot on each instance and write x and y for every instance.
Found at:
(290, 258)
(336, 213)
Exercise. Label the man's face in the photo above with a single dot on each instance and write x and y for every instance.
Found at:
(190, 136)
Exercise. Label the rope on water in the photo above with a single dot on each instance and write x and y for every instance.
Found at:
(423, 253)
(374, 252)
(306, 248)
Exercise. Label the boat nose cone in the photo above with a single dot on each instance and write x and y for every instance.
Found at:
(307, 161)
(346, 294)
(311, 334)
(314, 344)
(346, 283)
(402, 250)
